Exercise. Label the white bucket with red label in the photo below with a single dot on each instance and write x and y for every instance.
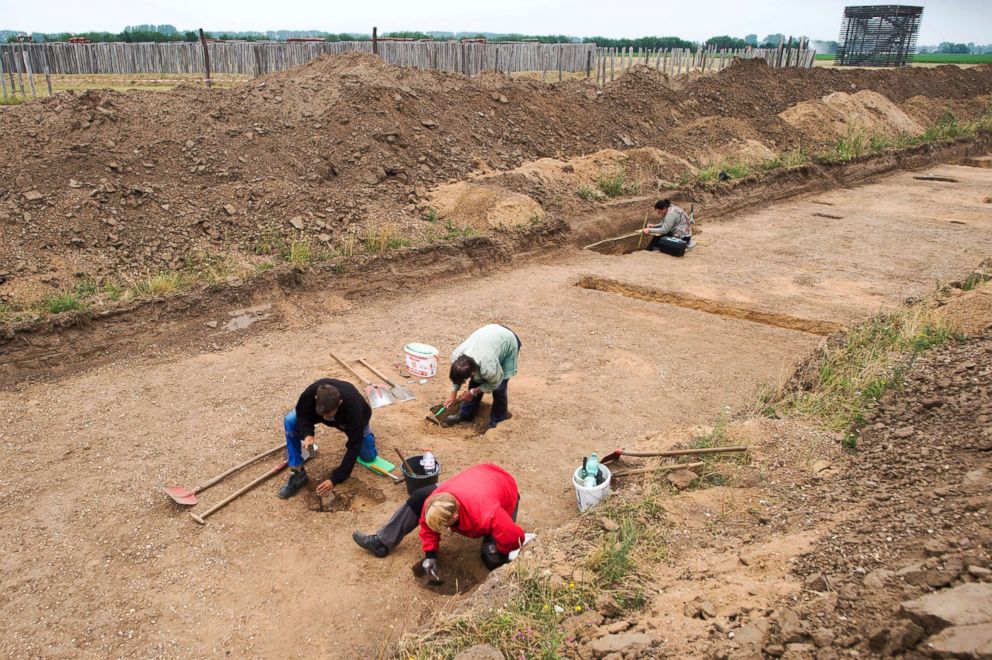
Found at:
(421, 359)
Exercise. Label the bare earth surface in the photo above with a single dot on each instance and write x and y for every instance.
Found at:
(97, 562)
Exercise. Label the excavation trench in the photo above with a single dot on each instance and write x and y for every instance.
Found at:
(729, 310)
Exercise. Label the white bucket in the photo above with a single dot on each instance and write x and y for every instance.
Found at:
(421, 359)
(588, 497)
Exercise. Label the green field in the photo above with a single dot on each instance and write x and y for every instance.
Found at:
(937, 58)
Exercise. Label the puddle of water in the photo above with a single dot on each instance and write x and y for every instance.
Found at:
(243, 318)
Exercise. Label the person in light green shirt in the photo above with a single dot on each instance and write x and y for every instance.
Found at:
(487, 360)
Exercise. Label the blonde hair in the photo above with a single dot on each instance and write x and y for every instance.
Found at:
(441, 509)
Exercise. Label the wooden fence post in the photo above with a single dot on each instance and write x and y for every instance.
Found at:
(375, 41)
(48, 81)
(10, 74)
(206, 58)
(3, 80)
(588, 63)
(559, 53)
(29, 72)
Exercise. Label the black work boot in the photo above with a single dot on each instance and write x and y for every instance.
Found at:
(457, 418)
(297, 480)
(371, 542)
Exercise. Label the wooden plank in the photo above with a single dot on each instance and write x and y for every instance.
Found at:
(3, 80)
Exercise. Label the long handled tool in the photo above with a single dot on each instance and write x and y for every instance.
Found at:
(202, 518)
(615, 455)
(187, 497)
(378, 395)
(405, 463)
(401, 392)
(643, 227)
(661, 468)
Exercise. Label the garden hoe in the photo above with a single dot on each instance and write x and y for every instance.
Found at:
(401, 392)
(378, 395)
(187, 497)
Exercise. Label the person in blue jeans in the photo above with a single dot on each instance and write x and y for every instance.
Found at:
(337, 404)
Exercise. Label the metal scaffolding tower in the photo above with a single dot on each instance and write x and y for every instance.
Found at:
(878, 35)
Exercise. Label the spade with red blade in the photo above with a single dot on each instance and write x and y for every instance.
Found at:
(187, 497)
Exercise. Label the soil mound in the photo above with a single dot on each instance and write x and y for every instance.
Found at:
(121, 185)
(839, 113)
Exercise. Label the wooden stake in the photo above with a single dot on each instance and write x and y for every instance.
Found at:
(3, 80)
(375, 41)
(206, 58)
(48, 81)
(27, 70)
(10, 73)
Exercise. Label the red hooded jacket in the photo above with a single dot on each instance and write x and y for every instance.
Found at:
(487, 496)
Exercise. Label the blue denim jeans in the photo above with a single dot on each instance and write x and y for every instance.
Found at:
(468, 409)
(294, 442)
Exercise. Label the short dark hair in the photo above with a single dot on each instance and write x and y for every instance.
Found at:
(328, 399)
(461, 369)
(662, 204)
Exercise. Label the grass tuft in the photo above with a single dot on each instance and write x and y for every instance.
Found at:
(382, 239)
(588, 193)
(613, 185)
(162, 284)
(851, 374)
(533, 621)
(65, 302)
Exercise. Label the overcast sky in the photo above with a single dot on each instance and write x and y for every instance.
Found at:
(943, 20)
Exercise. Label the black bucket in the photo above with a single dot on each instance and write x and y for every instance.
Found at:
(419, 478)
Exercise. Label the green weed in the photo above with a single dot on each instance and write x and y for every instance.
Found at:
(65, 302)
(270, 240)
(733, 170)
(300, 253)
(588, 193)
(852, 374)
(431, 214)
(613, 185)
(792, 158)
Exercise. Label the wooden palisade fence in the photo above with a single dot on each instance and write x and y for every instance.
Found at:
(23, 61)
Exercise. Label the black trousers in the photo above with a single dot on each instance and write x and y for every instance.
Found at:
(407, 518)
(669, 245)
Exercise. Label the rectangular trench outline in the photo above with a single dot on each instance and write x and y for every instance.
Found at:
(729, 310)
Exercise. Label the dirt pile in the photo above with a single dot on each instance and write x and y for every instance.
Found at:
(923, 478)
(838, 113)
(120, 185)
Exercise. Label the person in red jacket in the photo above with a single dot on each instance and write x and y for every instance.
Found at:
(481, 501)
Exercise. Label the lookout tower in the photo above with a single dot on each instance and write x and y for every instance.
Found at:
(878, 35)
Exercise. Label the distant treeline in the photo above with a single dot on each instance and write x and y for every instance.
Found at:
(165, 33)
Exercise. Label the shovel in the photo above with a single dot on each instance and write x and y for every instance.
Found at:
(187, 497)
(202, 518)
(401, 392)
(377, 394)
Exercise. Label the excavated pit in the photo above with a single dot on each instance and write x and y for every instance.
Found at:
(729, 310)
